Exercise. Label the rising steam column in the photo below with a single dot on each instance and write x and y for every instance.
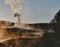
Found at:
(17, 19)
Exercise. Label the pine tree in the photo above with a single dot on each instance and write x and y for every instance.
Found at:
(56, 18)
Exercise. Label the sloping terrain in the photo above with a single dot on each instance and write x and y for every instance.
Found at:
(34, 35)
(21, 37)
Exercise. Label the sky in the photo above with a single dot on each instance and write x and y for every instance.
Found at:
(34, 11)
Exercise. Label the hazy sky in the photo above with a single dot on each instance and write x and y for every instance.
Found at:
(34, 11)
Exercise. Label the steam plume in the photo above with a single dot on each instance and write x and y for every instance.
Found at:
(15, 5)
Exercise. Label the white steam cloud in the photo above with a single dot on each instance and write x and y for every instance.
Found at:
(15, 5)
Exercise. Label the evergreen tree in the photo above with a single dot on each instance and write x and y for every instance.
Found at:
(56, 18)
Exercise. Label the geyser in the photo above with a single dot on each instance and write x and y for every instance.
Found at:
(16, 8)
(17, 19)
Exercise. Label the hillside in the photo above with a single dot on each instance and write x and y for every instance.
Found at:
(16, 37)
(29, 35)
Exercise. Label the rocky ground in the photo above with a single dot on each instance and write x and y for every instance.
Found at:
(16, 37)
(34, 35)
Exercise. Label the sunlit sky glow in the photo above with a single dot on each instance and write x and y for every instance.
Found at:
(35, 11)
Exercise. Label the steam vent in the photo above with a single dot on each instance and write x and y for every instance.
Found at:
(17, 19)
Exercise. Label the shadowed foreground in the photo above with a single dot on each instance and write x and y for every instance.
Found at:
(17, 37)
